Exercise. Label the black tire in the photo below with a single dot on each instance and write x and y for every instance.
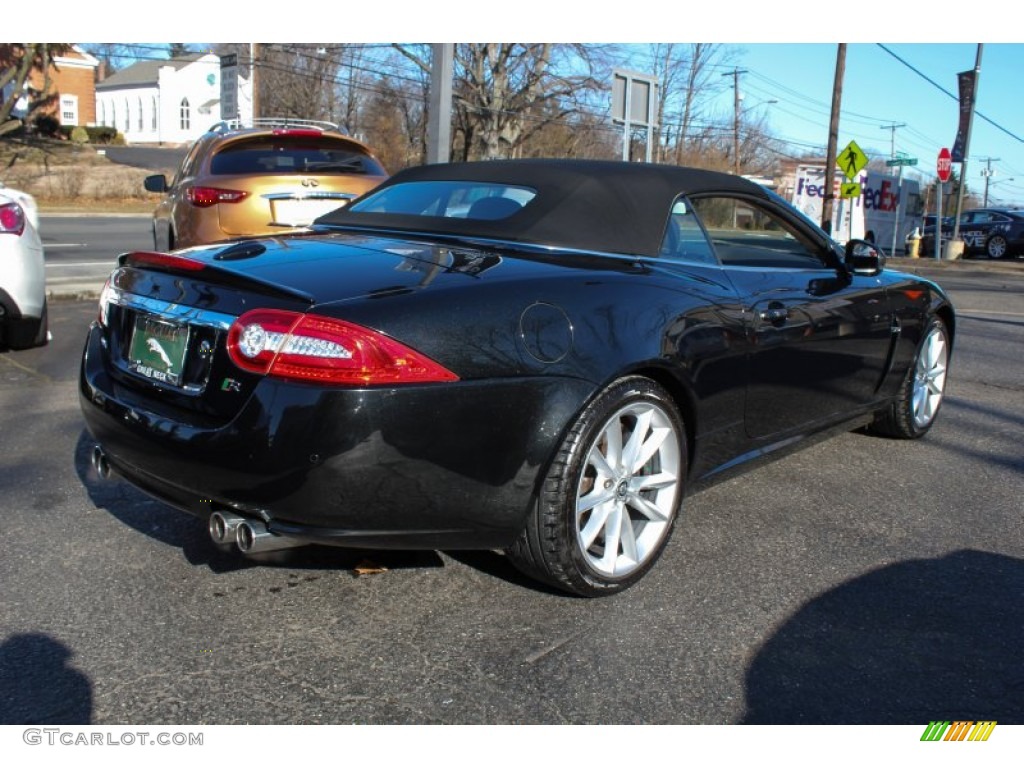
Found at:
(996, 247)
(921, 394)
(28, 332)
(641, 493)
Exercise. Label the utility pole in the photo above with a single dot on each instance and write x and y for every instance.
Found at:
(735, 74)
(439, 117)
(254, 54)
(833, 140)
(988, 173)
(892, 144)
(967, 144)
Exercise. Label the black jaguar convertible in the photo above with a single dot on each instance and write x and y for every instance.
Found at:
(538, 356)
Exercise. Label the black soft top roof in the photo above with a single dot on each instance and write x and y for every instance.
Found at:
(589, 205)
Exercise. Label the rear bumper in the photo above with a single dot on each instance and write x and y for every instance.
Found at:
(438, 466)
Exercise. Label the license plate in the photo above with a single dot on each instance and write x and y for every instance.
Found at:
(157, 350)
(300, 213)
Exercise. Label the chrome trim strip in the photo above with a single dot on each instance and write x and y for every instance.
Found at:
(169, 310)
(309, 196)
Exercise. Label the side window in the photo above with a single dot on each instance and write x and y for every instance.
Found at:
(187, 167)
(745, 234)
(684, 238)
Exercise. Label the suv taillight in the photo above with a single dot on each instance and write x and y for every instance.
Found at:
(317, 349)
(204, 197)
(12, 219)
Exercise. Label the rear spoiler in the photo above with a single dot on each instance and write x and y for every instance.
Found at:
(188, 267)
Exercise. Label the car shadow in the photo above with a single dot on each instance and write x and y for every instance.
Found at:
(921, 640)
(178, 529)
(38, 686)
(496, 565)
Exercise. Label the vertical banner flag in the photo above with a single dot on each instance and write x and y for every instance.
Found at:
(966, 81)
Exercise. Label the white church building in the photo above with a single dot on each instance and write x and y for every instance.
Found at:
(171, 101)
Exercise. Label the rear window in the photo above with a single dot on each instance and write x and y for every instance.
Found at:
(302, 155)
(478, 201)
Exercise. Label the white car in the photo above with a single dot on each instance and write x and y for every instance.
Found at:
(23, 321)
(25, 200)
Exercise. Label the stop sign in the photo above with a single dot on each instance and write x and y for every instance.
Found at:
(944, 165)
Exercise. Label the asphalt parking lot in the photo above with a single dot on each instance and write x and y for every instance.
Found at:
(862, 580)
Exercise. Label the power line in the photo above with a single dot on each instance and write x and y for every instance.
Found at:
(922, 75)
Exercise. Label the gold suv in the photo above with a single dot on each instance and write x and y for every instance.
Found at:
(278, 174)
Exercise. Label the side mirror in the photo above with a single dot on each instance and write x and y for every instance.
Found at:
(157, 183)
(863, 258)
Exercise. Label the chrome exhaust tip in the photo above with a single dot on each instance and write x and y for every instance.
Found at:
(100, 463)
(252, 537)
(223, 527)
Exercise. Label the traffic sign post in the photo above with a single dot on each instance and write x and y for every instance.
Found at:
(944, 165)
(900, 162)
(850, 189)
(944, 168)
(851, 160)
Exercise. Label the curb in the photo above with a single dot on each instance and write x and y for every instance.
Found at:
(90, 214)
(960, 266)
(73, 294)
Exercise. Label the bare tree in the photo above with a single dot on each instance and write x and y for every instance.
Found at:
(17, 63)
(177, 50)
(759, 150)
(299, 80)
(701, 87)
(506, 92)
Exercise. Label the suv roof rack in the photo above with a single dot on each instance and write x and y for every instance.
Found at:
(273, 122)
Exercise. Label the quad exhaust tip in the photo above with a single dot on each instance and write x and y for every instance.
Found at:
(100, 463)
(250, 536)
(224, 527)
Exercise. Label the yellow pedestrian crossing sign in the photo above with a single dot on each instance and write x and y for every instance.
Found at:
(849, 189)
(851, 160)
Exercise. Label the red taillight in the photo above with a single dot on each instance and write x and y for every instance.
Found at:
(12, 219)
(204, 197)
(318, 349)
(106, 297)
(162, 261)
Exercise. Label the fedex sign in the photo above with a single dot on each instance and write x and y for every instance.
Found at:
(813, 187)
(885, 197)
(875, 210)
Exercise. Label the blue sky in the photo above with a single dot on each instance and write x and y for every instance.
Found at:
(879, 90)
(787, 47)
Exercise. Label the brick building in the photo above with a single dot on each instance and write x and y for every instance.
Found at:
(72, 83)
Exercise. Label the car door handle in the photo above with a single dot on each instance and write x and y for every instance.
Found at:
(775, 315)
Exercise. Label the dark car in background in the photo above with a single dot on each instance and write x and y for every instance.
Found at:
(239, 181)
(993, 232)
(537, 356)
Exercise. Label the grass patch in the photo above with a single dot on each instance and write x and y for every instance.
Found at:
(67, 177)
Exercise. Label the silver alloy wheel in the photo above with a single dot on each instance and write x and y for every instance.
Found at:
(629, 489)
(930, 377)
(996, 247)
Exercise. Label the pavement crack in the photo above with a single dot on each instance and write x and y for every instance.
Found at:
(533, 658)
